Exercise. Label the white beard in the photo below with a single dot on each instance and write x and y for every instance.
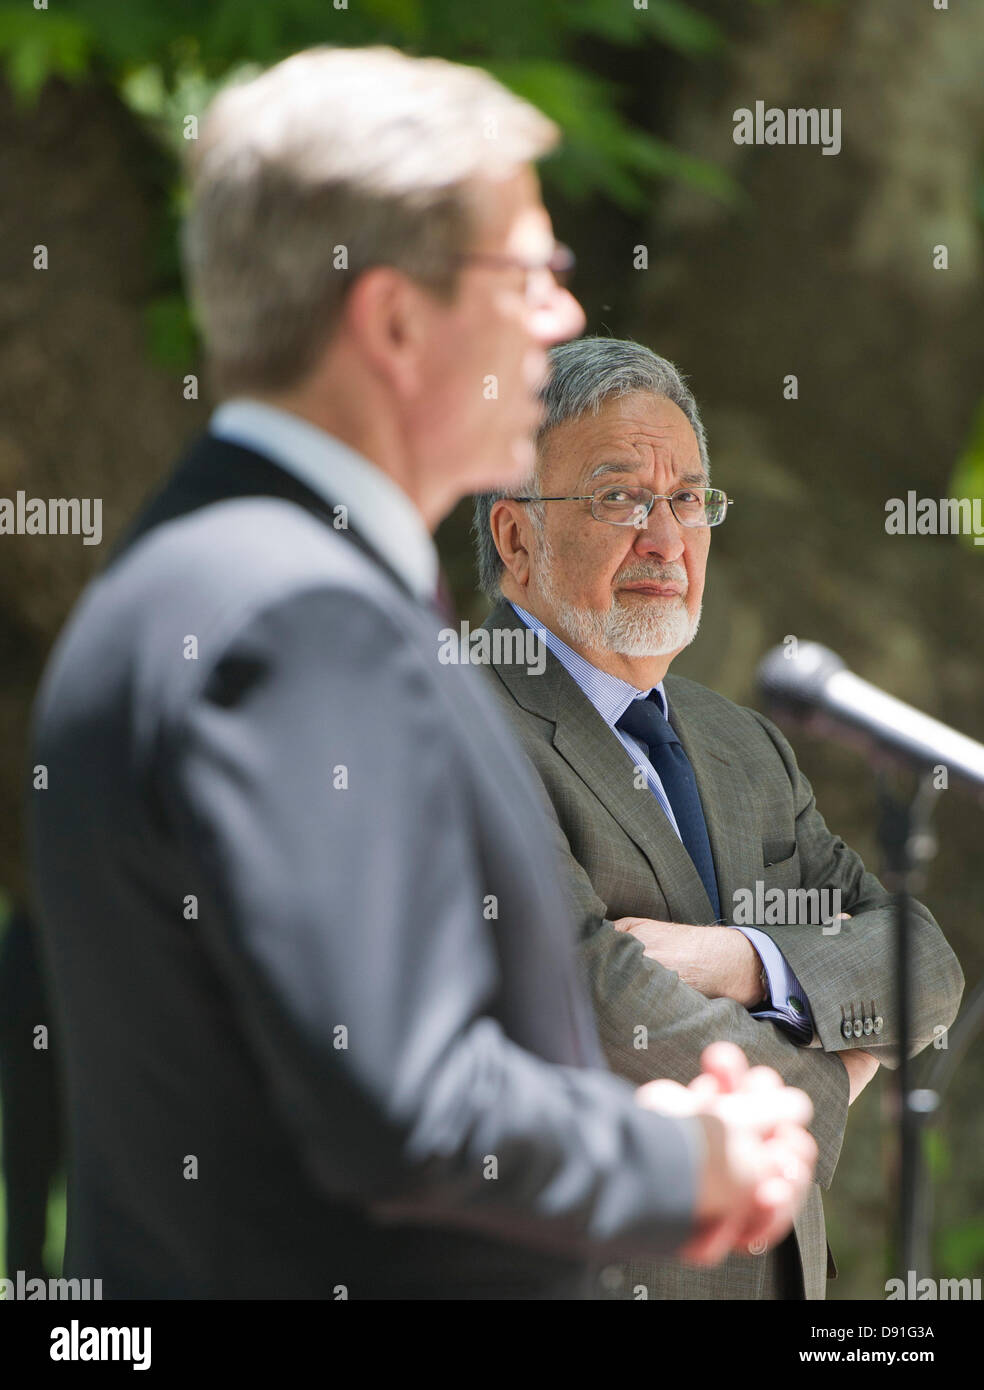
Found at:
(629, 627)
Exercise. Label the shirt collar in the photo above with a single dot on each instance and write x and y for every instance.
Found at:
(380, 511)
(610, 695)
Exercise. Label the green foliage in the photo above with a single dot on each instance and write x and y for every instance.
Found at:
(167, 61)
(676, 24)
(35, 46)
(936, 1152)
(171, 341)
(968, 474)
(960, 1250)
(53, 1254)
(601, 153)
(165, 105)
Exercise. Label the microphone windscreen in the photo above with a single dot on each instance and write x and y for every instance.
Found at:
(797, 675)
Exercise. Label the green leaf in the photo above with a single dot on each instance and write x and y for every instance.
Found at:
(677, 25)
(617, 23)
(28, 68)
(170, 332)
(961, 1249)
(601, 151)
(36, 45)
(684, 28)
(406, 15)
(143, 89)
(937, 1154)
(968, 472)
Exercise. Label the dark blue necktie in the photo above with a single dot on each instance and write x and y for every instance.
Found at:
(643, 720)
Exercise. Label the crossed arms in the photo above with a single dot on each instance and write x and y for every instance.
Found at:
(663, 991)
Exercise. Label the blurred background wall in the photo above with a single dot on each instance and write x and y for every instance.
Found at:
(744, 264)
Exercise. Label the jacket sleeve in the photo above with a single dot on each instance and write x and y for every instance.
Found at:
(652, 1024)
(312, 782)
(850, 974)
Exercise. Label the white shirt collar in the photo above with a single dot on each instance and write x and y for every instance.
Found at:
(379, 510)
(610, 695)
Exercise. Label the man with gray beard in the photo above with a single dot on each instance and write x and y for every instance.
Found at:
(670, 805)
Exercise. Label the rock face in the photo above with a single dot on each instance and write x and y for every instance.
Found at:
(84, 414)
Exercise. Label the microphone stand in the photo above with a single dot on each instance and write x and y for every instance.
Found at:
(944, 1067)
(908, 845)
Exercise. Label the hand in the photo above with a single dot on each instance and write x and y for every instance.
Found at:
(861, 1067)
(759, 1157)
(720, 962)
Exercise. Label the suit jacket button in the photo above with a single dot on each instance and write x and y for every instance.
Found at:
(879, 1023)
(757, 1247)
(858, 1028)
(846, 1028)
(868, 1025)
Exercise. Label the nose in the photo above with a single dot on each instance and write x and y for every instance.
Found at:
(662, 534)
(558, 318)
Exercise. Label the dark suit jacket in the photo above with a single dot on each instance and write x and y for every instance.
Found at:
(323, 1026)
(621, 858)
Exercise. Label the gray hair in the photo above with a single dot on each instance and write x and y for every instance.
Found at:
(330, 162)
(584, 374)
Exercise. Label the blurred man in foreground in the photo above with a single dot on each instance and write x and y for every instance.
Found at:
(681, 814)
(324, 1031)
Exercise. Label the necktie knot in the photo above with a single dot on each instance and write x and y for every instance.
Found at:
(643, 720)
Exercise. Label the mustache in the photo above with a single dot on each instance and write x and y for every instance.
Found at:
(645, 574)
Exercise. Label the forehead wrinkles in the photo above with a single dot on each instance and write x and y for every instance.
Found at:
(574, 449)
(645, 441)
(644, 448)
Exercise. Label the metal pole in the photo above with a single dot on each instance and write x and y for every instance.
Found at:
(907, 846)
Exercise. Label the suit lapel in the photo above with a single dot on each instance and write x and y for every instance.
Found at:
(591, 748)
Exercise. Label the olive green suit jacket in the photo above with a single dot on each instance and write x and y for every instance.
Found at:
(621, 857)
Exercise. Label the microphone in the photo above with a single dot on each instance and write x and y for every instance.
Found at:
(815, 687)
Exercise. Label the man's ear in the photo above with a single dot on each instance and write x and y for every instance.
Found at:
(389, 318)
(512, 533)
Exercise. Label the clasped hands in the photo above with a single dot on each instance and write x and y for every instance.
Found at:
(759, 1157)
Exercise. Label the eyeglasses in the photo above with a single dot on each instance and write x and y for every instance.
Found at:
(630, 506)
(560, 264)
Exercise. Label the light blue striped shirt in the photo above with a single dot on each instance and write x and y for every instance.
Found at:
(611, 697)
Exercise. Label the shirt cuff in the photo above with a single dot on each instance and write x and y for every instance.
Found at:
(787, 1005)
